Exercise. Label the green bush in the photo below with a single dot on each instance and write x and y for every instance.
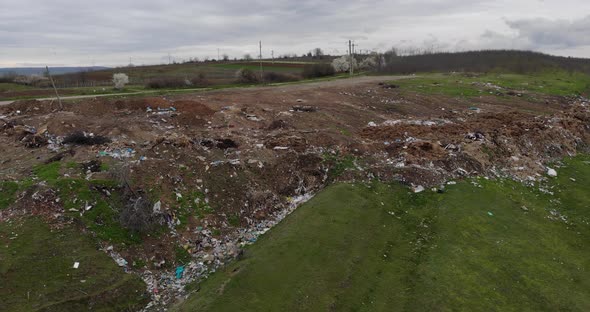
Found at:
(246, 75)
(318, 70)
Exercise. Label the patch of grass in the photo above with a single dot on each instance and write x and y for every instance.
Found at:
(234, 220)
(48, 172)
(103, 216)
(8, 190)
(382, 248)
(339, 164)
(37, 274)
(104, 166)
(192, 204)
(256, 67)
(77, 194)
(8, 87)
(461, 85)
(182, 256)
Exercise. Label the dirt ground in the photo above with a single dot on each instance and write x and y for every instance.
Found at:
(250, 151)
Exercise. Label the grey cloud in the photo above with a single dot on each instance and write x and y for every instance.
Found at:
(108, 31)
(543, 32)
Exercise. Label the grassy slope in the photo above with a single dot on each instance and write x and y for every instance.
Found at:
(381, 248)
(37, 274)
(552, 83)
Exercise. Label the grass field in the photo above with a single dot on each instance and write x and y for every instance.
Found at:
(553, 83)
(479, 246)
(6, 87)
(37, 274)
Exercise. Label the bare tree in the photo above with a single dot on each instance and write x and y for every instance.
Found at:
(318, 53)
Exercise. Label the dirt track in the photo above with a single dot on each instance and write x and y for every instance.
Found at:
(301, 86)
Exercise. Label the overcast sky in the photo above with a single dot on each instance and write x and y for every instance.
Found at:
(109, 32)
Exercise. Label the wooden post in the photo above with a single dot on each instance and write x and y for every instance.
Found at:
(260, 58)
(61, 107)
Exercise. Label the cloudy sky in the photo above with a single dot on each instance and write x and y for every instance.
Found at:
(108, 32)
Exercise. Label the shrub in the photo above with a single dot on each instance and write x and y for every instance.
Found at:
(138, 215)
(246, 75)
(342, 64)
(167, 82)
(279, 77)
(200, 81)
(120, 80)
(318, 70)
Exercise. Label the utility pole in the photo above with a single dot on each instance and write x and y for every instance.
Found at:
(61, 107)
(218, 59)
(260, 58)
(272, 53)
(169, 58)
(350, 57)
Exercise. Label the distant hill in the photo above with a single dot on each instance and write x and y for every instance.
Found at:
(54, 70)
(484, 61)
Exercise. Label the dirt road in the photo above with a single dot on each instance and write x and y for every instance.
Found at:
(282, 88)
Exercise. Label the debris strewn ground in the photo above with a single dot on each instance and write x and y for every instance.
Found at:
(223, 167)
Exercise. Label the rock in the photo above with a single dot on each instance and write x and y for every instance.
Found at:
(551, 172)
(372, 124)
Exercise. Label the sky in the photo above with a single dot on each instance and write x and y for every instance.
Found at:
(116, 33)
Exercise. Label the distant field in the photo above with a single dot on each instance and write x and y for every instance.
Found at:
(8, 87)
(500, 246)
(217, 72)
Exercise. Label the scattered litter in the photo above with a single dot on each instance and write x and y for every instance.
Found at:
(372, 124)
(157, 207)
(475, 136)
(118, 153)
(418, 189)
(304, 108)
(551, 172)
(121, 262)
(490, 214)
(76, 265)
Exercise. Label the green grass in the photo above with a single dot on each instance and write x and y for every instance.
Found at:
(460, 85)
(339, 164)
(37, 274)
(103, 217)
(8, 190)
(6, 87)
(191, 204)
(381, 248)
(256, 67)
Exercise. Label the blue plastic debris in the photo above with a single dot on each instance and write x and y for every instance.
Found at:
(179, 271)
